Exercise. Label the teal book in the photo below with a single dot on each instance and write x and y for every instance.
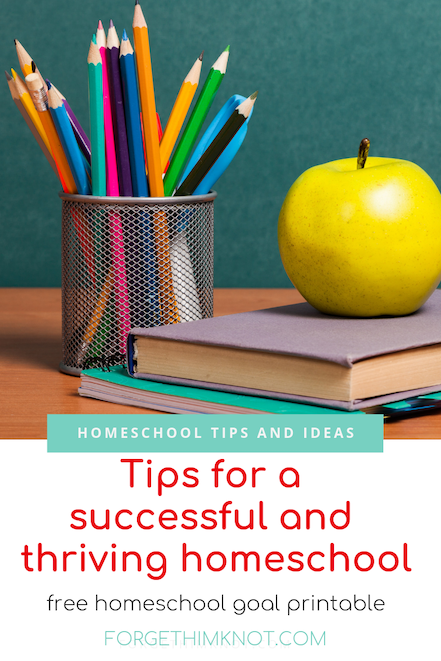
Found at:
(118, 387)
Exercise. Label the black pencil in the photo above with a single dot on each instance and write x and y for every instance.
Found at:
(217, 146)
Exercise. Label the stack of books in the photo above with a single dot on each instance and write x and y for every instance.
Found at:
(279, 360)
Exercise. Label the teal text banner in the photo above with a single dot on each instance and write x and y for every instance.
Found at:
(215, 433)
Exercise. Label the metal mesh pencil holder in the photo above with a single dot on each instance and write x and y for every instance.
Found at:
(131, 262)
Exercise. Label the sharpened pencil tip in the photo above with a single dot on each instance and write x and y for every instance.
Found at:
(254, 95)
(125, 37)
(136, 2)
(100, 25)
(111, 25)
(34, 66)
(15, 41)
(48, 83)
(8, 77)
(227, 49)
(201, 56)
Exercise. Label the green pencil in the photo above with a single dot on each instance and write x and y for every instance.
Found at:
(194, 124)
(217, 146)
(95, 69)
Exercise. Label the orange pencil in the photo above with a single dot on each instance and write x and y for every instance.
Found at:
(148, 107)
(25, 61)
(179, 111)
(169, 311)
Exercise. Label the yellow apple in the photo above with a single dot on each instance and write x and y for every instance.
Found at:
(363, 242)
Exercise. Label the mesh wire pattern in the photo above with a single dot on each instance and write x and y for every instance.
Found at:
(131, 263)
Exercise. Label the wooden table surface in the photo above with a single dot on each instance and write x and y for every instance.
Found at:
(30, 351)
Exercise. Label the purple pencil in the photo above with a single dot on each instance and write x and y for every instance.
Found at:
(118, 117)
(82, 139)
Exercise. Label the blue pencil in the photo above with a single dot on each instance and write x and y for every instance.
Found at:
(151, 311)
(133, 118)
(68, 141)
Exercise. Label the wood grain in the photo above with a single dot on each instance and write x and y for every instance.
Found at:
(30, 351)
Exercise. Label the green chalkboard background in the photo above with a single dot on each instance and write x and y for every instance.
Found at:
(329, 73)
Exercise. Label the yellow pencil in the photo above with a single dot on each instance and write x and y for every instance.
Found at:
(26, 100)
(32, 126)
(39, 98)
(179, 111)
(148, 107)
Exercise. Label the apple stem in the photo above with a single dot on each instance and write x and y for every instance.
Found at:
(363, 152)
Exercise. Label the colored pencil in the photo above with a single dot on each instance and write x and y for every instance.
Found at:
(39, 98)
(147, 95)
(184, 284)
(31, 118)
(85, 237)
(27, 64)
(133, 225)
(120, 278)
(194, 124)
(112, 186)
(148, 245)
(80, 135)
(86, 162)
(96, 108)
(97, 315)
(118, 116)
(113, 189)
(26, 100)
(68, 140)
(217, 146)
(169, 312)
(133, 118)
(137, 235)
(160, 134)
(179, 111)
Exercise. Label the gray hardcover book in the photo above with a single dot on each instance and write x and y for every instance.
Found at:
(303, 332)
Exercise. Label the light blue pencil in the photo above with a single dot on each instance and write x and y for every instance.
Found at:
(68, 141)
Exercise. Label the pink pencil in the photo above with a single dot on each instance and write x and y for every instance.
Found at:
(120, 279)
(112, 187)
